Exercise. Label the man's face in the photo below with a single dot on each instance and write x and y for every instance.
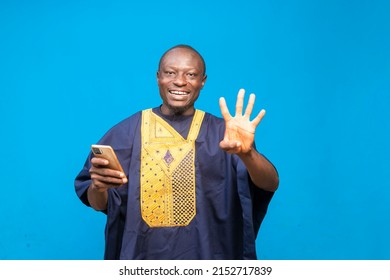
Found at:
(180, 79)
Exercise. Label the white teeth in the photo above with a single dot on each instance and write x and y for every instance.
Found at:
(178, 92)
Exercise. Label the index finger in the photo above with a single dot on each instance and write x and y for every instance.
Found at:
(99, 161)
(224, 109)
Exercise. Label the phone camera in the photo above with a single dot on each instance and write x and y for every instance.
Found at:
(97, 151)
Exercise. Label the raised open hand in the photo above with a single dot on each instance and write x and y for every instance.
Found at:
(240, 130)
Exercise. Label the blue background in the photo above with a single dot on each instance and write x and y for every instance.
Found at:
(69, 70)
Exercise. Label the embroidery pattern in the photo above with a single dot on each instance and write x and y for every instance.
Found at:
(167, 172)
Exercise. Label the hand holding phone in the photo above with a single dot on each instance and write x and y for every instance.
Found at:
(107, 152)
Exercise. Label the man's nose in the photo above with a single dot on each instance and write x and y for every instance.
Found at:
(180, 80)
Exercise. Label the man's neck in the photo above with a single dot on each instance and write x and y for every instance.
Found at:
(170, 111)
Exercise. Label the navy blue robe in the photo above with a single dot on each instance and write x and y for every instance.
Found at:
(229, 208)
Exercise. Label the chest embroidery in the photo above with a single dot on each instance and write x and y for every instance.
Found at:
(167, 189)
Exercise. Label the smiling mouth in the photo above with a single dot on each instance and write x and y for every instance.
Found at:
(177, 92)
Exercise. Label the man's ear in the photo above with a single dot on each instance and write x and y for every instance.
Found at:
(158, 76)
(204, 80)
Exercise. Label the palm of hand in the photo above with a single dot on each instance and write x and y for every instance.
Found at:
(240, 131)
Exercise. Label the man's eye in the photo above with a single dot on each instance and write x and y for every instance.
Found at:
(191, 75)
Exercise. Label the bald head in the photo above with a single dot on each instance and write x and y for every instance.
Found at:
(185, 47)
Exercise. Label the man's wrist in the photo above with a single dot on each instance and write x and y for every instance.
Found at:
(250, 154)
(94, 188)
(97, 197)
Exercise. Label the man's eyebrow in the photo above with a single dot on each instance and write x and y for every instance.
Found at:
(185, 69)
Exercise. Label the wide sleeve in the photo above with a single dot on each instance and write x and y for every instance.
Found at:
(254, 202)
(120, 137)
(83, 180)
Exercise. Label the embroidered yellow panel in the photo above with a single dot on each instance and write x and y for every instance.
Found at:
(167, 171)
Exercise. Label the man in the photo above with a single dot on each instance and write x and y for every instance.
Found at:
(195, 187)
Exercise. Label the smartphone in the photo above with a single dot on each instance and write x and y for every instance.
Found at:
(107, 152)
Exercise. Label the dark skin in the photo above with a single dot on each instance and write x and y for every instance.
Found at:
(180, 80)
